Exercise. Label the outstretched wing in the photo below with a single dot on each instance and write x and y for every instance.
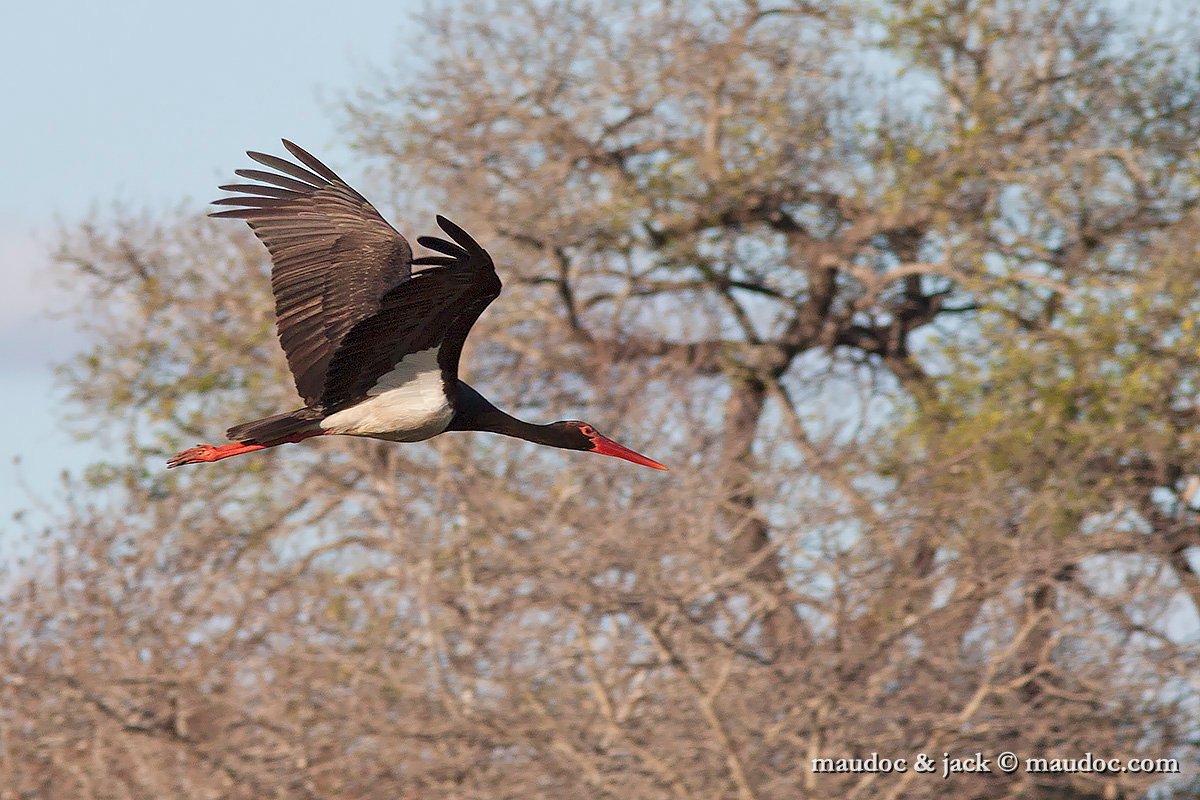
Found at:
(334, 257)
(434, 309)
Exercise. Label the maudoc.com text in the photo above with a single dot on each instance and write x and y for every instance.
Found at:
(1006, 762)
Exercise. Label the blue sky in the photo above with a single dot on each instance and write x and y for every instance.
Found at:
(149, 104)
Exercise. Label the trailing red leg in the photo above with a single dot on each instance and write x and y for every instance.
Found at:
(204, 453)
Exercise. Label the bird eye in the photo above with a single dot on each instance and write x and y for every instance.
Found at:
(587, 430)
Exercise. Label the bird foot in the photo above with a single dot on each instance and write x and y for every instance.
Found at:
(201, 453)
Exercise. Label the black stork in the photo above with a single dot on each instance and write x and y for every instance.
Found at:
(372, 345)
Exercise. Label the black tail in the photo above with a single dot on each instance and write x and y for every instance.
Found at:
(268, 429)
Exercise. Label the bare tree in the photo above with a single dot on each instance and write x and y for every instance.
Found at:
(906, 290)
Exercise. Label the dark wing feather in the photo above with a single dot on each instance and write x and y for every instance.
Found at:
(473, 258)
(334, 257)
(437, 307)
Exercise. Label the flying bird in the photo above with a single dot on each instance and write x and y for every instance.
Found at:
(373, 346)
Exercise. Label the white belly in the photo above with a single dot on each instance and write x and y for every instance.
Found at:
(407, 404)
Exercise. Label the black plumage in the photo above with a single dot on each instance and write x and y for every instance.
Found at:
(350, 310)
(334, 258)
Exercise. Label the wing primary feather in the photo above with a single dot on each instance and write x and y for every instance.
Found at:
(312, 162)
(286, 167)
(258, 188)
(278, 180)
(244, 213)
(255, 202)
(442, 246)
(458, 234)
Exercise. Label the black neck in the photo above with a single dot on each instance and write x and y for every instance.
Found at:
(473, 412)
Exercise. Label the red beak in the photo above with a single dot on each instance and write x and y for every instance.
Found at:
(607, 447)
